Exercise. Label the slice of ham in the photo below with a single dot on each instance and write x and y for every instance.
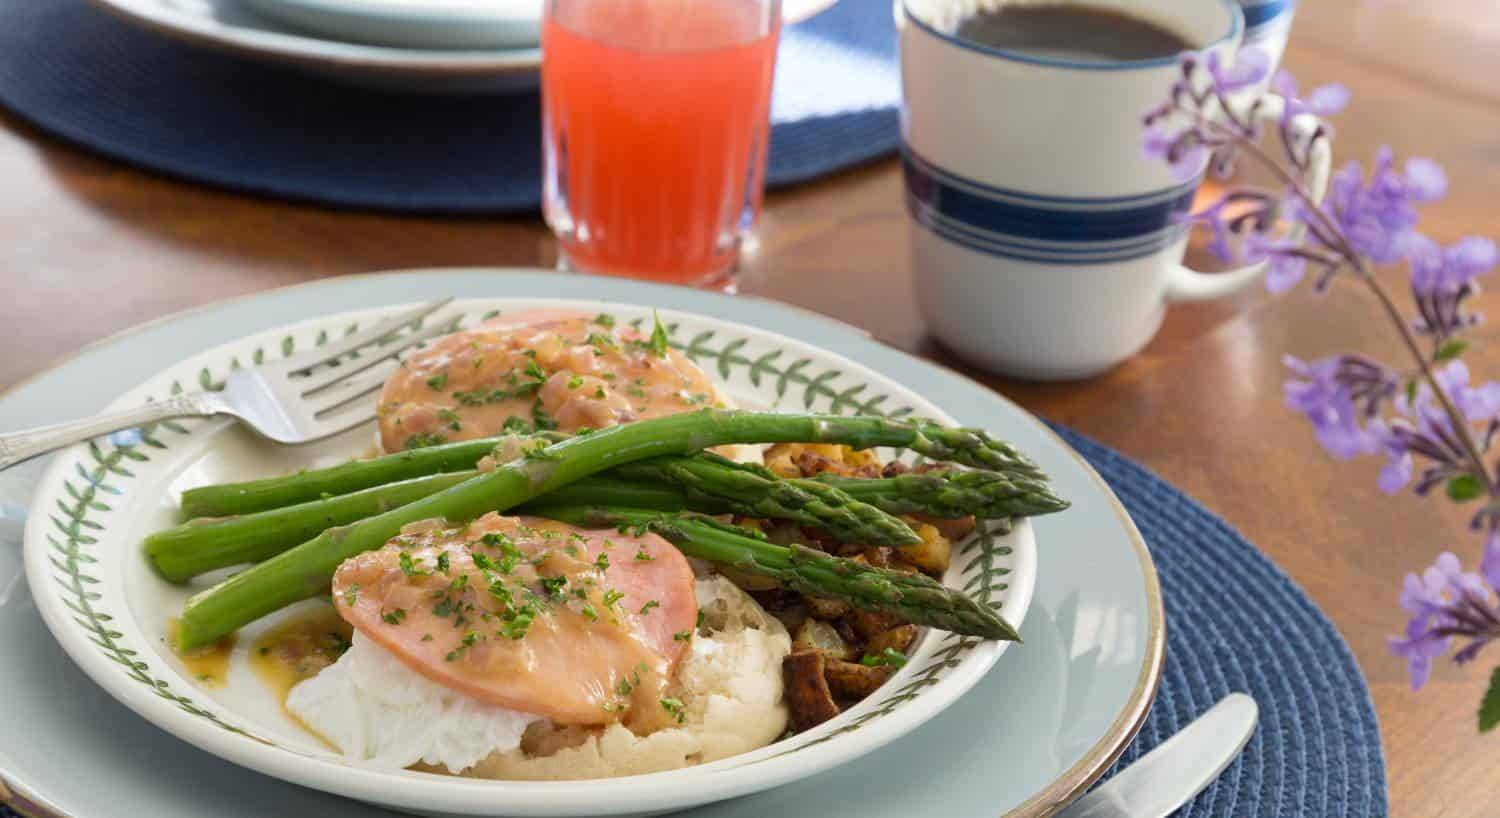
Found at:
(599, 647)
(573, 369)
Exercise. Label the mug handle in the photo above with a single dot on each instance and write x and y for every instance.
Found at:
(1186, 284)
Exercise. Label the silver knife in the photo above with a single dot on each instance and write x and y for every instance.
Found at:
(1161, 781)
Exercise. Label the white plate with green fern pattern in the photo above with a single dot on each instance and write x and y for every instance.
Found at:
(111, 612)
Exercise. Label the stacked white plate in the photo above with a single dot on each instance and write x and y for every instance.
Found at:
(428, 45)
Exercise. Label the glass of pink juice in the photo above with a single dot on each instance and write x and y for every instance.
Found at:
(655, 119)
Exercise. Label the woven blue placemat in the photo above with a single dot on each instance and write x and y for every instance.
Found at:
(1236, 622)
(93, 80)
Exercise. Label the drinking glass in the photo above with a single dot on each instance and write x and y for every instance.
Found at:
(655, 119)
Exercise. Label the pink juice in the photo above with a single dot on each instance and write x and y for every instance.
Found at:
(656, 121)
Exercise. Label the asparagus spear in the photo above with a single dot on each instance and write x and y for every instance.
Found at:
(913, 597)
(208, 544)
(228, 499)
(306, 570)
(713, 483)
(952, 493)
(970, 447)
(702, 482)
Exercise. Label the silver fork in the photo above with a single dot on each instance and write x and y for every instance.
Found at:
(299, 399)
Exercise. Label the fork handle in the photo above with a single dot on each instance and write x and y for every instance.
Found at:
(24, 445)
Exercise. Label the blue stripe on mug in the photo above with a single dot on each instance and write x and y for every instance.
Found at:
(1259, 14)
(1114, 247)
(1011, 250)
(1043, 228)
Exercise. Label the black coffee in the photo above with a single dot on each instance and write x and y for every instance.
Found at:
(1070, 32)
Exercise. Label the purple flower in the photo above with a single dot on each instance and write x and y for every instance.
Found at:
(1397, 472)
(1419, 647)
(1325, 100)
(1423, 428)
(1284, 271)
(1489, 565)
(1250, 66)
(1364, 221)
(1315, 390)
(1284, 268)
(1214, 218)
(1438, 270)
(1183, 151)
(1378, 216)
(1476, 403)
(1444, 602)
(1442, 279)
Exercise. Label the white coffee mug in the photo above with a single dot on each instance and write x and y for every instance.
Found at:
(1044, 243)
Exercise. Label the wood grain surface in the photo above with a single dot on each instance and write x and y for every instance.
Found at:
(88, 248)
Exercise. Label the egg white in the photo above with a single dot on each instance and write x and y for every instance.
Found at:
(380, 712)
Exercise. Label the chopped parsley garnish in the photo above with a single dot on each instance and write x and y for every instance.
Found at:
(500, 592)
(700, 618)
(444, 608)
(442, 562)
(518, 389)
(605, 320)
(540, 419)
(636, 389)
(450, 417)
(575, 381)
(534, 371)
(641, 555)
(426, 439)
(589, 613)
(658, 337)
(409, 566)
(682, 636)
(611, 597)
(624, 687)
(395, 617)
(351, 594)
(889, 656)
(426, 637)
(602, 561)
(510, 555)
(438, 381)
(518, 622)
(555, 587)
(464, 644)
(674, 707)
(650, 603)
(599, 393)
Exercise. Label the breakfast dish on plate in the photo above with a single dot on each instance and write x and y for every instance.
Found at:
(575, 559)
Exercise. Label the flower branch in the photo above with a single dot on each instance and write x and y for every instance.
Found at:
(1426, 411)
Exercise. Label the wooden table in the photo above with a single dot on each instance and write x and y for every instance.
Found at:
(88, 248)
